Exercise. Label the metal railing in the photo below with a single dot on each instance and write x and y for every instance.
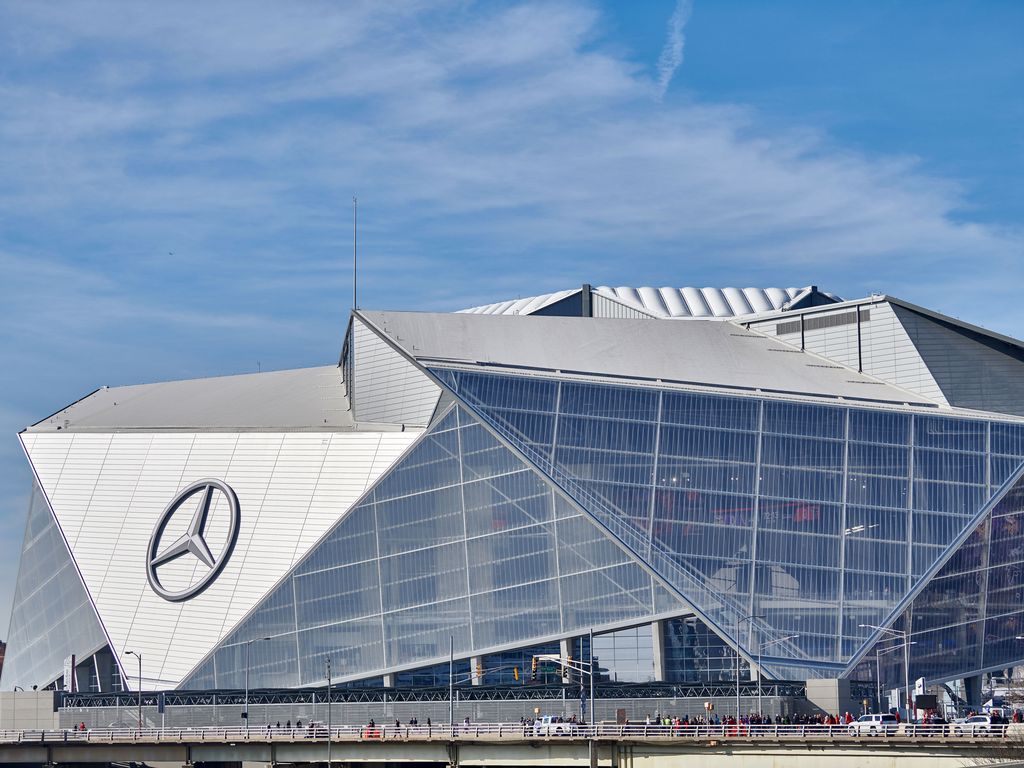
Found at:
(567, 731)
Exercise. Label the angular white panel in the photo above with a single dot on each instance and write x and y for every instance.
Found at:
(387, 388)
(108, 492)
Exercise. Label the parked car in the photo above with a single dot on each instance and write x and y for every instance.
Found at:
(981, 725)
(874, 725)
(549, 725)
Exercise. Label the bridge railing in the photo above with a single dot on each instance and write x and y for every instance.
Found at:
(853, 732)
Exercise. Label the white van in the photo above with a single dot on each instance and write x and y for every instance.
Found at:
(874, 725)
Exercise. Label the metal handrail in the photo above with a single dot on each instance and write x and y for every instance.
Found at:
(555, 731)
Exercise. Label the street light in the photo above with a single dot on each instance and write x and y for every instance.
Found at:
(245, 714)
(905, 642)
(139, 657)
(328, 661)
(760, 674)
(745, 618)
(878, 667)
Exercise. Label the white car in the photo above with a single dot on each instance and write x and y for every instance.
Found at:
(980, 725)
(553, 726)
(874, 725)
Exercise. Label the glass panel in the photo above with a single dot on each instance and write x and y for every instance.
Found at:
(482, 560)
(52, 616)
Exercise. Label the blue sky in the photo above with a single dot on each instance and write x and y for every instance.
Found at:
(176, 180)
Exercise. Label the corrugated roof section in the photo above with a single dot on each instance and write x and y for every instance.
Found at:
(525, 306)
(706, 303)
(688, 302)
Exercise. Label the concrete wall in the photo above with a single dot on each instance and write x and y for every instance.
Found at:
(27, 710)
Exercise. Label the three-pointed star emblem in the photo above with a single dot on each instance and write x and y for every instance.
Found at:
(193, 541)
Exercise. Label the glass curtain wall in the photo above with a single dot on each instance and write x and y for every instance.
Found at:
(52, 617)
(460, 539)
(970, 615)
(818, 518)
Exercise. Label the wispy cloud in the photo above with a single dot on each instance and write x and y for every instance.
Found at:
(672, 53)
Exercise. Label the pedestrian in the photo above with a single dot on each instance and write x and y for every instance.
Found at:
(288, 725)
(278, 726)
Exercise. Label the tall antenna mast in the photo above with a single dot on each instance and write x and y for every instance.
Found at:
(355, 251)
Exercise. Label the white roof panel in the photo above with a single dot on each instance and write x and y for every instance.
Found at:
(309, 398)
(711, 354)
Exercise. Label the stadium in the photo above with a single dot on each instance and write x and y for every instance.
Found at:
(675, 482)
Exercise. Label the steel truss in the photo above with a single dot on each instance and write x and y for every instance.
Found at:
(792, 689)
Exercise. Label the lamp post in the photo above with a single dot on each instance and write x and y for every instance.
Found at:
(745, 618)
(245, 714)
(451, 685)
(328, 661)
(593, 714)
(905, 642)
(760, 649)
(139, 657)
(878, 667)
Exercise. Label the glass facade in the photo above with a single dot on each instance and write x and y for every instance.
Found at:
(499, 667)
(971, 613)
(693, 653)
(52, 616)
(624, 656)
(461, 539)
(818, 518)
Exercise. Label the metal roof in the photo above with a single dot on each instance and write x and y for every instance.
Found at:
(305, 398)
(707, 354)
(705, 303)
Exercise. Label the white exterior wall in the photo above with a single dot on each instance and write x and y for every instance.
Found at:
(109, 490)
(387, 387)
(886, 349)
(889, 354)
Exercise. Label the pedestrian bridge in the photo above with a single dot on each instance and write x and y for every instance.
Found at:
(513, 744)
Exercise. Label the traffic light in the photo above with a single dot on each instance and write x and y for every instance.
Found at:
(479, 671)
(533, 670)
(566, 667)
(515, 673)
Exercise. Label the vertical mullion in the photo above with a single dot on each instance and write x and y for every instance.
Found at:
(654, 484)
(554, 510)
(987, 564)
(912, 439)
(842, 534)
(465, 526)
(756, 521)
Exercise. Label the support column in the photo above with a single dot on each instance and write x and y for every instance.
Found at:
(658, 640)
(476, 664)
(972, 690)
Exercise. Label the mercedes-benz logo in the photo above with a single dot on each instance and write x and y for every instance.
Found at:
(193, 541)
